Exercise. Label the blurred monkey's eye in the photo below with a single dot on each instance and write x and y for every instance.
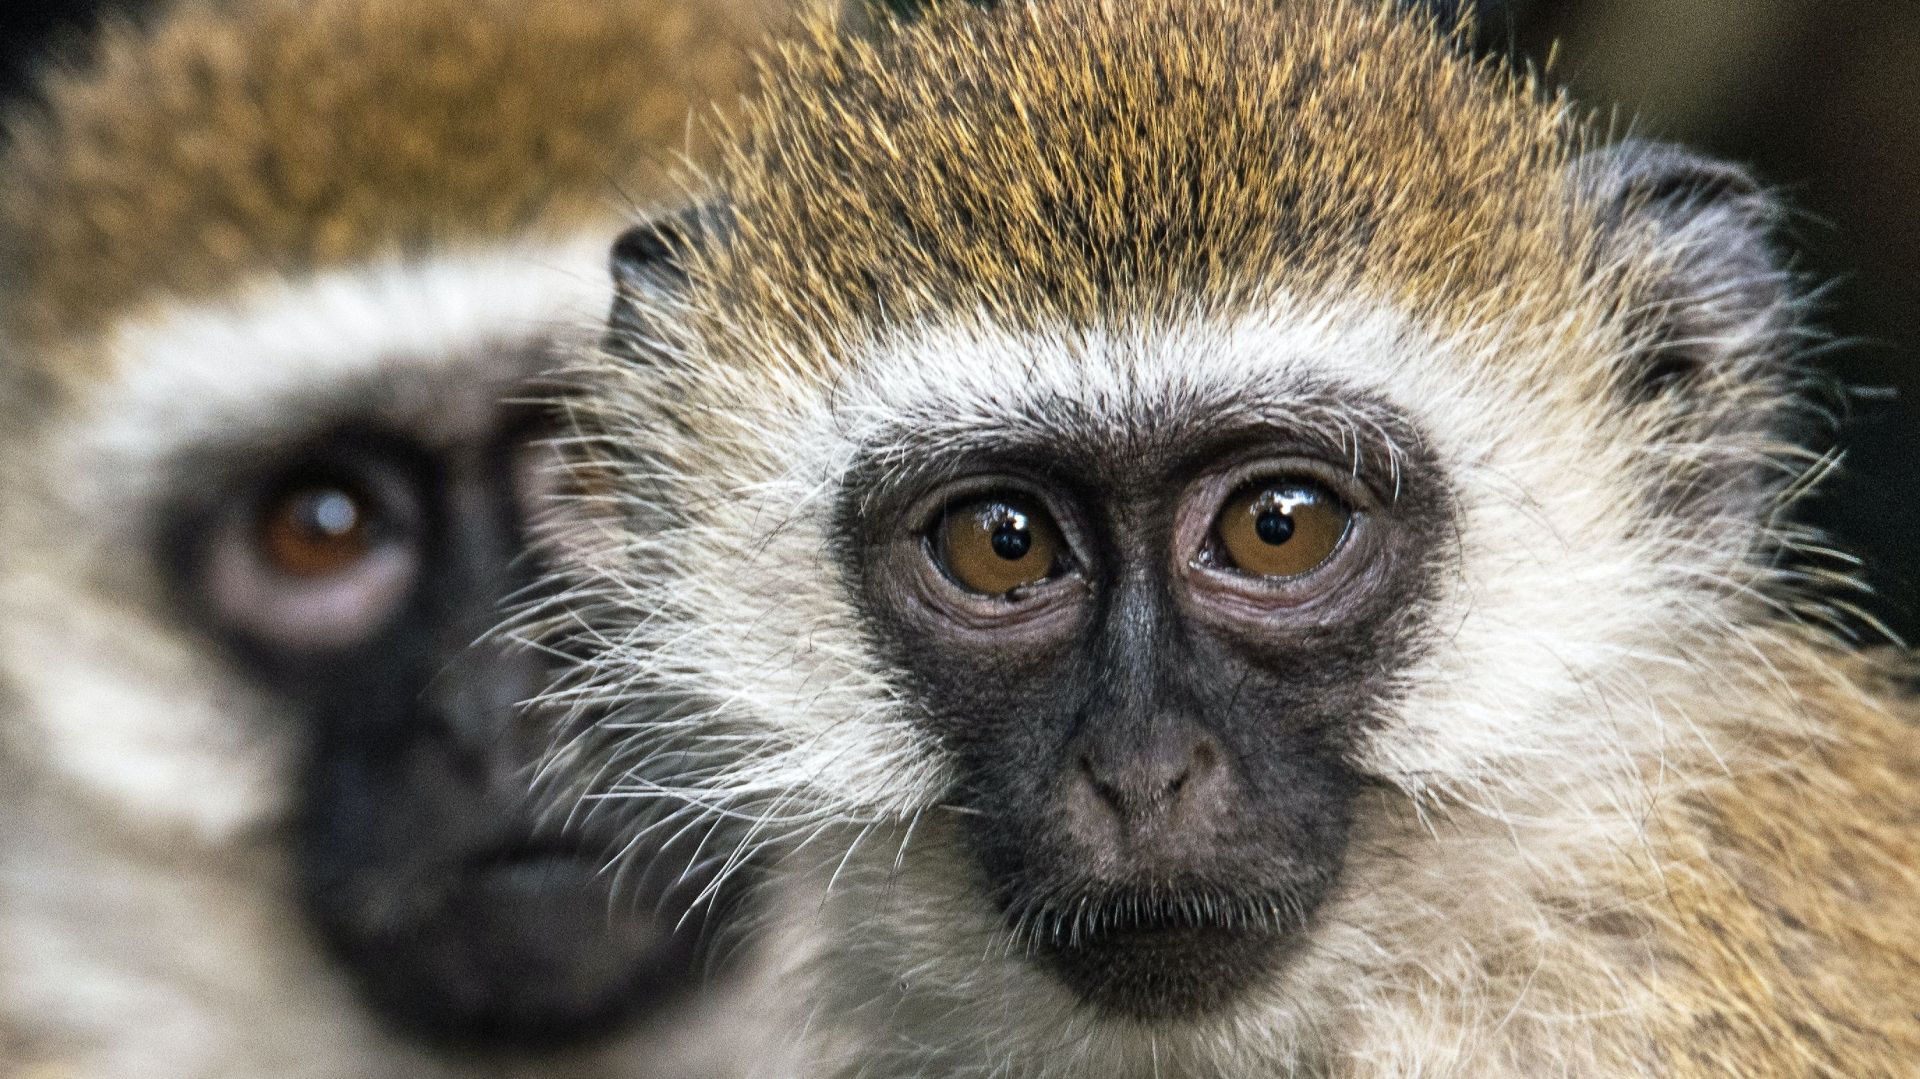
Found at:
(996, 545)
(316, 531)
(1283, 528)
(315, 561)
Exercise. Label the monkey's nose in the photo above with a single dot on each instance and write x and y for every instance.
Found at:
(1153, 805)
(480, 695)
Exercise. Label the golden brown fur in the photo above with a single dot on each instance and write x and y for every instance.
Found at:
(1359, 154)
(1636, 814)
(239, 137)
(1792, 892)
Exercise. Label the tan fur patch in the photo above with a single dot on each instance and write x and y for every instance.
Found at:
(282, 136)
(1794, 891)
(1020, 166)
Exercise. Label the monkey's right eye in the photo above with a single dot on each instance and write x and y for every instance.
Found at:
(315, 560)
(997, 545)
(316, 531)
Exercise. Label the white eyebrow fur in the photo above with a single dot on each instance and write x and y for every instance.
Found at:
(191, 368)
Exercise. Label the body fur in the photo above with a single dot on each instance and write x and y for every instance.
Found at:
(1636, 811)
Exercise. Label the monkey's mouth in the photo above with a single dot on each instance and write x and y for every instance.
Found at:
(1158, 955)
(538, 925)
(528, 942)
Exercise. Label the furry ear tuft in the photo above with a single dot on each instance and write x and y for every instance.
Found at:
(651, 255)
(874, 18)
(1451, 15)
(1713, 297)
(649, 261)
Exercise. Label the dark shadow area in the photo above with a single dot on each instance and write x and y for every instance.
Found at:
(1822, 102)
(33, 30)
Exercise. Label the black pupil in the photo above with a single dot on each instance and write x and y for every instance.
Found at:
(1273, 527)
(1012, 540)
(327, 513)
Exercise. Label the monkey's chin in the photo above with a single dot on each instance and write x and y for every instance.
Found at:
(1162, 960)
(527, 949)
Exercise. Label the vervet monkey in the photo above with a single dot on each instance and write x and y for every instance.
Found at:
(1234, 540)
(277, 276)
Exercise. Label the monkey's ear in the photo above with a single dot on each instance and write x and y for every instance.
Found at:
(1452, 15)
(1709, 292)
(873, 18)
(651, 256)
(649, 261)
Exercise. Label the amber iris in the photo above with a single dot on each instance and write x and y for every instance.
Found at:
(315, 531)
(1281, 529)
(995, 546)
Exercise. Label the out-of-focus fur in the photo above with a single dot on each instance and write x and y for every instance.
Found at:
(231, 222)
(1637, 812)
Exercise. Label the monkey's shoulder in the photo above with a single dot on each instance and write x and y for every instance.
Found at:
(1793, 898)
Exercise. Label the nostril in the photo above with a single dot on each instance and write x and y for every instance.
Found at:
(1147, 782)
(1204, 762)
(1108, 793)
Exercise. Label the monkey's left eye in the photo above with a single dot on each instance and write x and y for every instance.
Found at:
(1283, 528)
(997, 545)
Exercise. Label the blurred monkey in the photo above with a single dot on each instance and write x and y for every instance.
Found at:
(276, 276)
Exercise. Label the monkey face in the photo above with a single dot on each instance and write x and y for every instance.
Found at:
(270, 593)
(1193, 655)
(1225, 554)
(1150, 660)
(357, 575)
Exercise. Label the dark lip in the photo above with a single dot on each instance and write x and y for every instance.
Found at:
(1141, 917)
(540, 954)
(1158, 957)
(514, 854)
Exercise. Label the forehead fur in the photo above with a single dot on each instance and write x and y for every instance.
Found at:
(1066, 160)
(286, 136)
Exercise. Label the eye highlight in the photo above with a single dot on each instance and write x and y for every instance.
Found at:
(997, 545)
(316, 530)
(1282, 528)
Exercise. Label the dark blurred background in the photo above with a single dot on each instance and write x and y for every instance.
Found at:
(1820, 99)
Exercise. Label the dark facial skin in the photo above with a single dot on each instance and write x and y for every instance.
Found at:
(357, 576)
(1153, 741)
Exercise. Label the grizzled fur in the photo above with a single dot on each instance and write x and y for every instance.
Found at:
(232, 138)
